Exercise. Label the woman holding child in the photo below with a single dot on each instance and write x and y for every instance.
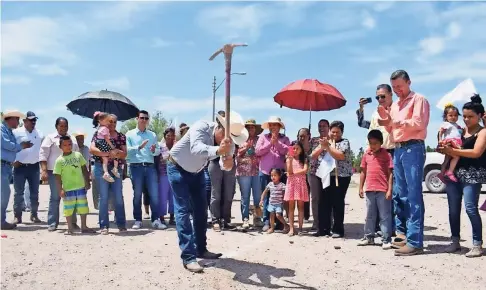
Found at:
(271, 148)
(471, 173)
(105, 186)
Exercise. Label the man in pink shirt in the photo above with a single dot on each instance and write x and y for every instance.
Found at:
(407, 121)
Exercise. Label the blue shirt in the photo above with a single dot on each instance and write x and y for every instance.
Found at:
(196, 148)
(10, 147)
(135, 138)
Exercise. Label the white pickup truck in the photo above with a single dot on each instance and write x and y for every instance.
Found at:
(433, 162)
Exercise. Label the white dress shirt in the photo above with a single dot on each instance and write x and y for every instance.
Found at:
(49, 150)
(29, 155)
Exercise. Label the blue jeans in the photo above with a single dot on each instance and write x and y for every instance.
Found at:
(145, 176)
(409, 205)
(455, 192)
(189, 198)
(106, 188)
(31, 174)
(5, 187)
(376, 201)
(54, 201)
(248, 185)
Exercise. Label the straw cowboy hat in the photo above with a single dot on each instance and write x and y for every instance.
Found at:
(273, 120)
(79, 133)
(239, 134)
(252, 122)
(12, 113)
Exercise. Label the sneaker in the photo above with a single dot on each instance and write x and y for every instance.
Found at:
(52, 228)
(453, 247)
(386, 246)
(265, 228)
(336, 236)
(366, 242)
(108, 177)
(193, 267)
(115, 172)
(246, 224)
(476, 251)
(157, 224)
(137, 225)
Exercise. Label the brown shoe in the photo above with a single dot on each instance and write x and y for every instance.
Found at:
(408, 251)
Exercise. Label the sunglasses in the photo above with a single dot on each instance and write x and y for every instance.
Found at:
(144, 118)
(380, 97)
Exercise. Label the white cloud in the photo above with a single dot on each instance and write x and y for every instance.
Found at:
(53, 38)
(15, 80)
(158, 42)
(48, 69)
(245, 22)
(121, 83)
(432, 45)
(383, 6)
(238, 103)
(368, 21)
(454, 30)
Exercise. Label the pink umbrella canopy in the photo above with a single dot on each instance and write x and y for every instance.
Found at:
(310, 95)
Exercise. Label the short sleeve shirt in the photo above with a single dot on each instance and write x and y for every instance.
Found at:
(119, 141)
(344, 167)
(376, 166)
(452, 130)
(277, 192)
(102, 132)
(69, 167)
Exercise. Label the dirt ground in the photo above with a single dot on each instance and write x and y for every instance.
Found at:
(33, 258)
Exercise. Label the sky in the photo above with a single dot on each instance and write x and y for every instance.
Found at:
(156, 53)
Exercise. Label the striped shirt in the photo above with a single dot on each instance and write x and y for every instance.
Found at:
(277, 192)
(376, 166)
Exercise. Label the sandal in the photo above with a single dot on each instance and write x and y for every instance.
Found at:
(68, 233)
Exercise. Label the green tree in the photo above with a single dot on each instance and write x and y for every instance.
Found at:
(357, 159)
(158, 124)
(429, 149)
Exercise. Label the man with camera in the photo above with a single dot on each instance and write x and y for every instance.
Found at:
(384, 97)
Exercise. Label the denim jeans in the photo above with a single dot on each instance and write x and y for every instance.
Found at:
(54, 202)
(166, 199)
(26, 173)
(5, 187)
(456, 191)
(376, 201)
(144, 176)
(109, 191)
(409, 204)
(248, 185)
(189, 198)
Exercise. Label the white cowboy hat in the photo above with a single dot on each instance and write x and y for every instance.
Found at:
(273, 120)
(12, 113)
(239, 134)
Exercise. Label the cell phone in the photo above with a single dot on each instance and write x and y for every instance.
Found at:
(369, 100)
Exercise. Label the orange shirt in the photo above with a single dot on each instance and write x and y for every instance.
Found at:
(409, 118)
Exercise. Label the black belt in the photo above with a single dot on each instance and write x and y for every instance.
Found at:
(7, 163)
(408, 143)
(27, 164)
(142, 164)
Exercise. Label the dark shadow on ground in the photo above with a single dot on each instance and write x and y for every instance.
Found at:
(244, 270)
(31, 227)
(440, 249)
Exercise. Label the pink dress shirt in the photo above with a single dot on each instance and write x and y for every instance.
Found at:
(409, 118)
(271, 156)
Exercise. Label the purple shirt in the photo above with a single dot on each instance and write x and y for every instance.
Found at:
(271, 156)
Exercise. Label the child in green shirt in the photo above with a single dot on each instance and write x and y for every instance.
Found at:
(73, 181)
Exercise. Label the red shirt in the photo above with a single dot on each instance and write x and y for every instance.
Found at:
(376, 166)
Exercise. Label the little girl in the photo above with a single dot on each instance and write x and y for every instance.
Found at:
(104, 144)
(275, 203)
(450, 133)
(296, 189)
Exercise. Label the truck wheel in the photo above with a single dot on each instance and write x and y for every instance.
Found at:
(433, 183)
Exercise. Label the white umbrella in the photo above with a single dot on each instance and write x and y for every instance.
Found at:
(462, 93)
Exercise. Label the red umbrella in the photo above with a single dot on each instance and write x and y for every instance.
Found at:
(310, 95)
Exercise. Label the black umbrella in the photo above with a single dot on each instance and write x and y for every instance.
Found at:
(104, 101)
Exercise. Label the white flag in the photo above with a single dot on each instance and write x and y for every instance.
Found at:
(462, 93)
(326, 166)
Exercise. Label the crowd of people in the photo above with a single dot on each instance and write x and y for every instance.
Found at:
(185, 176)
